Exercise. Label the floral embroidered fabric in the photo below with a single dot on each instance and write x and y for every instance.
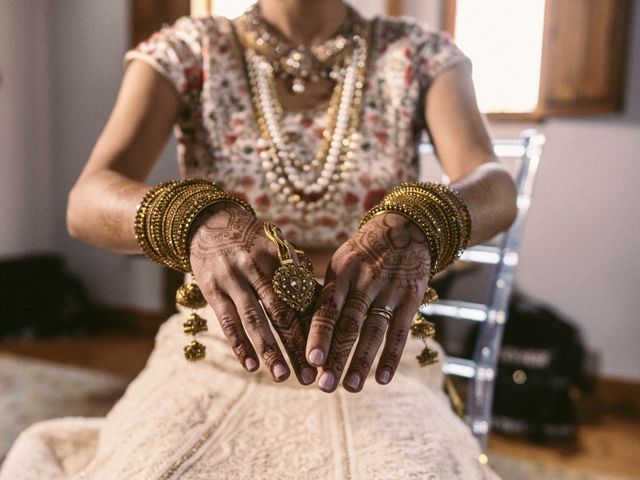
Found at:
(218, 137)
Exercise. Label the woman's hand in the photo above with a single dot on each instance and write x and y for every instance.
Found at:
(385, 266)
(233, 262)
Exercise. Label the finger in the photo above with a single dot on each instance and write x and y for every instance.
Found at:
(289, 327)
(257, 326)
(323, 321)
(395, 341)
(233, 330)
(344, 337)
(371, 338)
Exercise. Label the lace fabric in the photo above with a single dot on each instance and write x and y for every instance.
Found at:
(213, 420)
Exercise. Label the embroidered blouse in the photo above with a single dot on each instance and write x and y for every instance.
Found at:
(218, 136)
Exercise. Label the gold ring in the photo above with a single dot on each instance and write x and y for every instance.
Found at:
(292, 283)
(384, 312)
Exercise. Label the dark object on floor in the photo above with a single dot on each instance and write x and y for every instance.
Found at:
(539, 374)
(40, 299)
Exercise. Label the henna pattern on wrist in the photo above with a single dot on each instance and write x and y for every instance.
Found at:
(229, 231)
(394, 251)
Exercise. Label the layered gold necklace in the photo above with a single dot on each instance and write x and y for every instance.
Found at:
(306, 184)
(301, 64)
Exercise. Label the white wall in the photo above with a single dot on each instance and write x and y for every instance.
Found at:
(26, 162)
(89, 40)
(61, 64)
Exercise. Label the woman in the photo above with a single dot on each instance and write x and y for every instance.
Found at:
(309, 138)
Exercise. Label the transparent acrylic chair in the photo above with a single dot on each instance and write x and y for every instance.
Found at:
(522, 157)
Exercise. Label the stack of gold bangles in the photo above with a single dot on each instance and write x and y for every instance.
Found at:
(162, 225)
(438, 211)
(444, 218)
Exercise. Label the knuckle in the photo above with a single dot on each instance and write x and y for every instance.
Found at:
(228, 325)
(270, 353)
(348, 327)
(375, 328)
(262, 286)
(322, 329)
(282, 317)
(245, 261)
(252, 317)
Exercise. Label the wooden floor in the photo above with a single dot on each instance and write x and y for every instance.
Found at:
(608, 444)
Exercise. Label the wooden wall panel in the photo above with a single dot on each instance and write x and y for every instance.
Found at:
(583, 56)
(147, 16)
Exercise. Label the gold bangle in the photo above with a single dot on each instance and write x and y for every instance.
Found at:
(438, 211)
(166, 213)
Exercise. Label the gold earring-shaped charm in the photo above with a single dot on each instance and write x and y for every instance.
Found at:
(425, 330)
(190, 296)
(293, 283)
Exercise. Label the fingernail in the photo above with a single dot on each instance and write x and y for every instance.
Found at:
(279, 370)
(385, 376)
(327, 380)
(316, 357)
(307, 375)
(250, 364)
(353, 381)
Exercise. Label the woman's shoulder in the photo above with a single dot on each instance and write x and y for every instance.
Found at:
(408, 30)
(199, 28)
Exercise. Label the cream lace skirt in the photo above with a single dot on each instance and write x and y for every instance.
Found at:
(212, 420)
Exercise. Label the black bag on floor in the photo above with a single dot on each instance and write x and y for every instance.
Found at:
(539, 372)
(39, 298)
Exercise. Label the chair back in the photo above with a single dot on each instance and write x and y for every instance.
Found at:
(524, 154)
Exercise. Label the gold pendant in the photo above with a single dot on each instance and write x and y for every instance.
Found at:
(421, 328)
(295, 285)
(428, 356)
(190, 296)
(430, 296)
(194, 351)
(194, 324)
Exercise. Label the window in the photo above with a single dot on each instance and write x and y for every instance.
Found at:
(541, 58)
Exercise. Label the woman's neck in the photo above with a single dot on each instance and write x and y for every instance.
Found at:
(304, 22)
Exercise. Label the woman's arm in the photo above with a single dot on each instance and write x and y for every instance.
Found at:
(231, 258)
(386, 264)
(465, 151)
(103, 202)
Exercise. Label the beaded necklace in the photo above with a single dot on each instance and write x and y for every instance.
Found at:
(308, 186)
(301, 64)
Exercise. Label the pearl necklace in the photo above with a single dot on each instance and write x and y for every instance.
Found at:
(308, 187)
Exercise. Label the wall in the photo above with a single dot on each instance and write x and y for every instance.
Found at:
(57, 91)
(89, 40)
(580, 250)
(25, 139)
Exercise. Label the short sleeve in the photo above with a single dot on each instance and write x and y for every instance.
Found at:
(435, 52)
(175, 52)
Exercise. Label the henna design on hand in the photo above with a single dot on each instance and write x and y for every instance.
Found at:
(347, 330)
(394, 250)
(371, 338)
(226, 232)
(326, 315)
